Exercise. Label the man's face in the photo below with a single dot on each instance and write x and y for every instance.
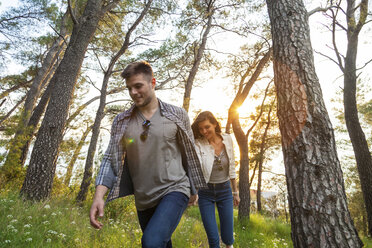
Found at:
(141, 89)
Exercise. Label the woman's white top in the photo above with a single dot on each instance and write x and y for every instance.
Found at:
(206, 155)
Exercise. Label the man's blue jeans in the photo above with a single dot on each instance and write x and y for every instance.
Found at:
(217, 194)
(158, 223)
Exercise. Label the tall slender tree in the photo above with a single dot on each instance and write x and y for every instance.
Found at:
(14, 162)
(245, 86)
(317, 200)
(41, 170)
(356, 18)
(88, 171)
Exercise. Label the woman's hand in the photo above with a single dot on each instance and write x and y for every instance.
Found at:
(236, 198)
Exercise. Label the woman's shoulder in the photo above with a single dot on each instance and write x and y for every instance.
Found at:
(226, 136)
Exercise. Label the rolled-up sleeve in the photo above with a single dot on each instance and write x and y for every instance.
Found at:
(232, 171)
(106, 175)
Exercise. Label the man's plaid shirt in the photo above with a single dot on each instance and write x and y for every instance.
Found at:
(114, 173)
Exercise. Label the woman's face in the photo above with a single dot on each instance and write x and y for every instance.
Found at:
(207, 129)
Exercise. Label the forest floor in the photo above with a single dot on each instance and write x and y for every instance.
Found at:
(59, 222)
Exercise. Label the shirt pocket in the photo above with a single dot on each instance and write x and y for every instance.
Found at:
(170, 130)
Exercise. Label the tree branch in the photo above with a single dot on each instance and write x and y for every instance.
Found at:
(70, 9)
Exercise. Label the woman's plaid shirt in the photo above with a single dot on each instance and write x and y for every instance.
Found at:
(114, 173)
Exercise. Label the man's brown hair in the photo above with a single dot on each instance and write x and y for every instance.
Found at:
(139, 67)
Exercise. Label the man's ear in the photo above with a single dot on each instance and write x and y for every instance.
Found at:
(153, 82)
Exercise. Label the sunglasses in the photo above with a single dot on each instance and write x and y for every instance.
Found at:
(146, 125)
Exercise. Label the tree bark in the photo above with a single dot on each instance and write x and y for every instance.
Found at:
(41, 170)
(197, 59)
(356, 134)
(36, 117)
(23, 135)
(88, 171)
(316, 194)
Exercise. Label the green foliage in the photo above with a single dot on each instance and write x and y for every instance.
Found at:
(22, 25)
(60, 223)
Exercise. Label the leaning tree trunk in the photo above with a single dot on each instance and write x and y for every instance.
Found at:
(13, 163)
(358, 139)
(197, 60)
(317, 200)
(88, 171)
(41, 170)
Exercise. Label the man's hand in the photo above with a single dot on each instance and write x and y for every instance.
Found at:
(193, 200)
(96, 210)
(98, 204)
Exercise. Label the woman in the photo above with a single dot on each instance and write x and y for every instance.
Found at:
(216, 153)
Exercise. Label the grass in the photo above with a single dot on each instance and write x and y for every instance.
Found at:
(60, 223)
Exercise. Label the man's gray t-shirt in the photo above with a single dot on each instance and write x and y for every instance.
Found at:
(155, 164)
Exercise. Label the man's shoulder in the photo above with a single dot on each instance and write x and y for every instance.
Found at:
(124, 114)
(172, 109)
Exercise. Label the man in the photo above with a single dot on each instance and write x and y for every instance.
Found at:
(151, 154)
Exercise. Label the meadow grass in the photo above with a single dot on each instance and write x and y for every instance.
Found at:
(61, 223)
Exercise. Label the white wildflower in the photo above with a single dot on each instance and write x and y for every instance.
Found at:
(14, 230)
(7, 241)
(52, 232)
(48, 240)
(29, 240)
(14, 221)
(47, 206)
(62, 235)
(73, 222)
(9, 216)
(54, 214)
(45, 222)
(10, 227)
(27, 233)
(27, 226)
(29, 217)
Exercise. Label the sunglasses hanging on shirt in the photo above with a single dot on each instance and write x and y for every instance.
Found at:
(146, 125)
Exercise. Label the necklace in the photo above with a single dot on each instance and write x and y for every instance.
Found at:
(217, 160)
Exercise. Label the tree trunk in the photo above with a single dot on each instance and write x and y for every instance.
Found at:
(23, 134)
(356, 134)
(261, 158)
(242, 138)
(41, 170)
(75, 156)
(244, 188)
(88, 171)
(35, 118)
(197, 59)
(316, 194)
